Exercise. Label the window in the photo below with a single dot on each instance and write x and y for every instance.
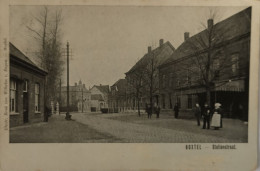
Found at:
(179, 101)
(13, 96)
(163, 101)
(37, 97)
(189, 101)
(163, 81)
(170, 100)
(235, 64)
(188, 76)
(25, 86)
(178, 82)
(170, 79)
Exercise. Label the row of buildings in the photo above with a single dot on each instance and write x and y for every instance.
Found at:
(212, 64)
(82, 99)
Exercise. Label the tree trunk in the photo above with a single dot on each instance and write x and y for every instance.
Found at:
(208, 97)
(138, 107)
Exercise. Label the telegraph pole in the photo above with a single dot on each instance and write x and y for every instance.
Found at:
(68, 116)
(82, 101)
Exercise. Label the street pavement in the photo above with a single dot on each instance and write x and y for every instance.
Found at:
(130, 128)
(126, 128)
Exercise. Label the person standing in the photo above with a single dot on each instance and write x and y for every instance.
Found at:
(149, 111)
(218, 110)
(157, 110)
(206, 116)
(197, 112)
(176, 110)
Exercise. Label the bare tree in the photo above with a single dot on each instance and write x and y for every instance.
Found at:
(137, 86)
(46, 30)
(151, 77)
(210, 58)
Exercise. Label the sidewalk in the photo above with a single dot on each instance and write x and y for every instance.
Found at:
(58, 130)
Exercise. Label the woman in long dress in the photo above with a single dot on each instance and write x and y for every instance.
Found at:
(216, 121)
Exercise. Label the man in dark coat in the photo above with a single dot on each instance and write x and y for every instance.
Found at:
(176, 110)
(149, 111)
(197, 112)
(157, 110)
(206, 116)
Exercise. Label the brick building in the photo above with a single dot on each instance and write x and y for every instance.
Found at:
(117, 96)
(139, 76)
(26, 89)
(219, 54)
(79, 98)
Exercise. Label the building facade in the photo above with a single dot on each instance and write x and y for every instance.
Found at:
(117, 97)
(99, 97)
(142, 80)
(79, 98)
(27, 82)
(213, 63)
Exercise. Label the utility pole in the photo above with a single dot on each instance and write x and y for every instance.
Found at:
(60, 96)
(68, 116)
(82, 101)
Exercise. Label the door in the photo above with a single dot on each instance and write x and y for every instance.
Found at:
(25, 107)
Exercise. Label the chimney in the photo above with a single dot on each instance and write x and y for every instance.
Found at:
(186, 36)
(161, 42)
(75, 84)
(210, 23)
(149, 49)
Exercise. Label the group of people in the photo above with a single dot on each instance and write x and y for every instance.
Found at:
(211, 117)
(149, 110)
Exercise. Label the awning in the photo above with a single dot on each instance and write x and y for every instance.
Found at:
(237, 86)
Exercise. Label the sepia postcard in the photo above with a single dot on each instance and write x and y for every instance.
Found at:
(129, 85)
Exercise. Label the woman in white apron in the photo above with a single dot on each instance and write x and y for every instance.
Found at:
(216, 118)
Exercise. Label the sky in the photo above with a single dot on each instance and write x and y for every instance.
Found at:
(106, 41)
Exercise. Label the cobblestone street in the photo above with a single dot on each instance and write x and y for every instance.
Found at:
(126, 128)
(130, 128)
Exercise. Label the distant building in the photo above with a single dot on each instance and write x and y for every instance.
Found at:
(182, 79)
(27, 84)
(117, 96)
(79, 98)
(138, 79)
(99, 97)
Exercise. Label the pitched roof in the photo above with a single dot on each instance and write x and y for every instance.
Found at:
(162, 53)
(16, 53)
(120, 85)
(97, 97)
(102, 88)
(232, 27)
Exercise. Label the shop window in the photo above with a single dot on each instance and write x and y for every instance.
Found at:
(37, 97)
(13, 96)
